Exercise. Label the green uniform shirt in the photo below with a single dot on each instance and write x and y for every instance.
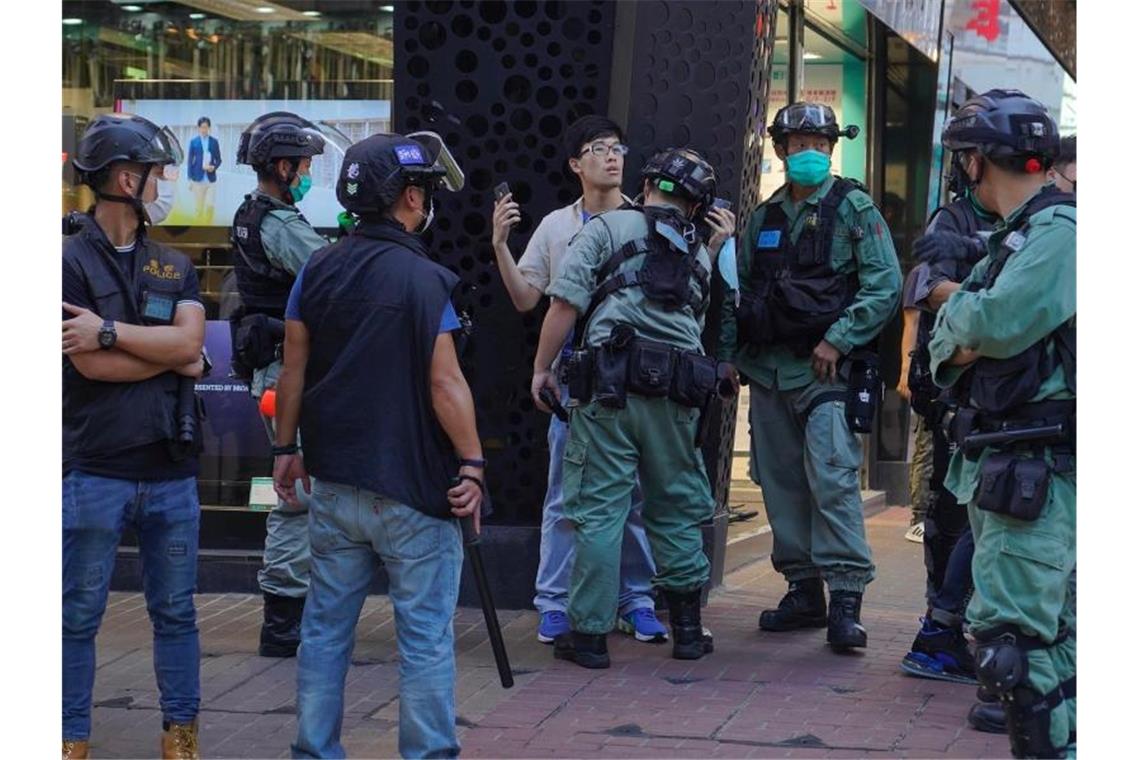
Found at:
(576, 281)
(1035, 294)
(880, 285)
(288, 241)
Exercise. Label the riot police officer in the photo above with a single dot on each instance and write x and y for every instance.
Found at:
(132, 344)
(372, 378)
(819, 278)
(954, 242)
(272, 241)
(638, 277)
(1005, 343)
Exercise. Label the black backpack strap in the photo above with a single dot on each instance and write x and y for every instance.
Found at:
(1065, 344)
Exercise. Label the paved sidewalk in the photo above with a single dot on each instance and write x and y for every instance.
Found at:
(759, 695)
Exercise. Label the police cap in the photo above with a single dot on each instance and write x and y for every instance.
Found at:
(377, 168)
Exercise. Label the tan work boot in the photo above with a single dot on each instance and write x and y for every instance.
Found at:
(180, 741)
(74, 749)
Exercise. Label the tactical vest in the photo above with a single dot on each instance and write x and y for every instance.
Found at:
(100, 417)
(263, 285)
(670, 268)
(960, 218)
(372, 303)
(997, 387)
(796, 294)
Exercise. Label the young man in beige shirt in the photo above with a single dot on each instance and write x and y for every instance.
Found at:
(597, 156)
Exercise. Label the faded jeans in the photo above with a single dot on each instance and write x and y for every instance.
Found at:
(351, 530)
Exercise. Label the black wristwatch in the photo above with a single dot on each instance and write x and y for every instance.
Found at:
(107, 334)
(289, 448)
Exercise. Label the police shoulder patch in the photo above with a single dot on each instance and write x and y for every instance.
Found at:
(860, 201)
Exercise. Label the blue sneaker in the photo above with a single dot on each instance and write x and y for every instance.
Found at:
(643, 625)
(552, 624)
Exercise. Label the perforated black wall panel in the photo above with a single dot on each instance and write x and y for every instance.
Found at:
(500, 82)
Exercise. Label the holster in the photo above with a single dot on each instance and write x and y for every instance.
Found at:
(258, 339)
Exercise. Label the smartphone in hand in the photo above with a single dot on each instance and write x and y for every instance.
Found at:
(502, 189)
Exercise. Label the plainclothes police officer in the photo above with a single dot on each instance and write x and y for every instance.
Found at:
(132, 345)
(639, 278)
(819, 279)
(1005, 342)
(388, 426)
(272, 241)
(954, 242)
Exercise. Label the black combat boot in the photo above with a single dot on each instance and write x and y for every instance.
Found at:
(844, 631)
(803, 606)
(690, 639)
(988, 717)
(585, 649)
(281, 631)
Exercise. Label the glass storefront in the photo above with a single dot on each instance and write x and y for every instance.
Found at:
(179, 63)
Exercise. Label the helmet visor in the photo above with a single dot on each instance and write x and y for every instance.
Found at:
(331, 137)
(165, 148)
(445, 164)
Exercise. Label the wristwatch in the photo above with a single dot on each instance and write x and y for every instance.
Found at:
(107, 334)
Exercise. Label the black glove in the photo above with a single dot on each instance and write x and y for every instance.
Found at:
(941, 246)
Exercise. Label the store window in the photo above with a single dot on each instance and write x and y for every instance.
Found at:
(177, 62)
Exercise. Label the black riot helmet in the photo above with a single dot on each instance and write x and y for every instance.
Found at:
(1005, 126)
(376, 169)
(682, 172)
(809, 118)
(115, 137)
(279, 134)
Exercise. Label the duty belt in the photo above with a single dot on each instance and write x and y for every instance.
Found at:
(1037, 424)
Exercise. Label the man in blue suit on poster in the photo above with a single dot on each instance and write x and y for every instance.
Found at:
(202, 162)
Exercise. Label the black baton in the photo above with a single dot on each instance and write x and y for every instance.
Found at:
(471, 542)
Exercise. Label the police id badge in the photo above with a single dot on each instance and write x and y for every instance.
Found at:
(769, 239)
(158, 307)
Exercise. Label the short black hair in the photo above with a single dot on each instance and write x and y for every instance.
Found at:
(1068, 152)
(205, 120)
(587, 129)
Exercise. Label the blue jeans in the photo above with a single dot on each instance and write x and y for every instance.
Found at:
(350, 531)
(958, 582)
(556, 546)
(164, 514)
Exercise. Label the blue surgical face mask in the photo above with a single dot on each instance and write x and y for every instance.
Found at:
(302, 187)
(808, 168)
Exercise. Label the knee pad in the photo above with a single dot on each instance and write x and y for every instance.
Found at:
(1002, 666)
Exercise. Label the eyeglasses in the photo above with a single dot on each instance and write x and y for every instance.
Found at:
(601, 150)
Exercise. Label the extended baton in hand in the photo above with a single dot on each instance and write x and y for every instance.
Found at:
(471, 542)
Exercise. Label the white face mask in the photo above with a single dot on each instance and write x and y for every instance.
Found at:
(428, 217)
(158, 209)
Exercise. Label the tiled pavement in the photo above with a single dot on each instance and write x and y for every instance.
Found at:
(759, 695)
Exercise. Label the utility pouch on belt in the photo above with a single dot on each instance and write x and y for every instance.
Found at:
(651, 367)
(578, 374)
(694, 380)
(1014, 486)
(611, 367)
(257, 339)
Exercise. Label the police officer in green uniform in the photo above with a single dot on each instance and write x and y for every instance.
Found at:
(639, 279)
(819, 278)
(272, 241)
(1005, 342)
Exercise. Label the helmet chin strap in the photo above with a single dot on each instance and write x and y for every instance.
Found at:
(286, 185)
(135, 200)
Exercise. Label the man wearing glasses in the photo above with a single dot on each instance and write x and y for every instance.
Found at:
(597, 156)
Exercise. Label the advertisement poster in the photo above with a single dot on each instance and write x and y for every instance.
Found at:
(210, 185)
